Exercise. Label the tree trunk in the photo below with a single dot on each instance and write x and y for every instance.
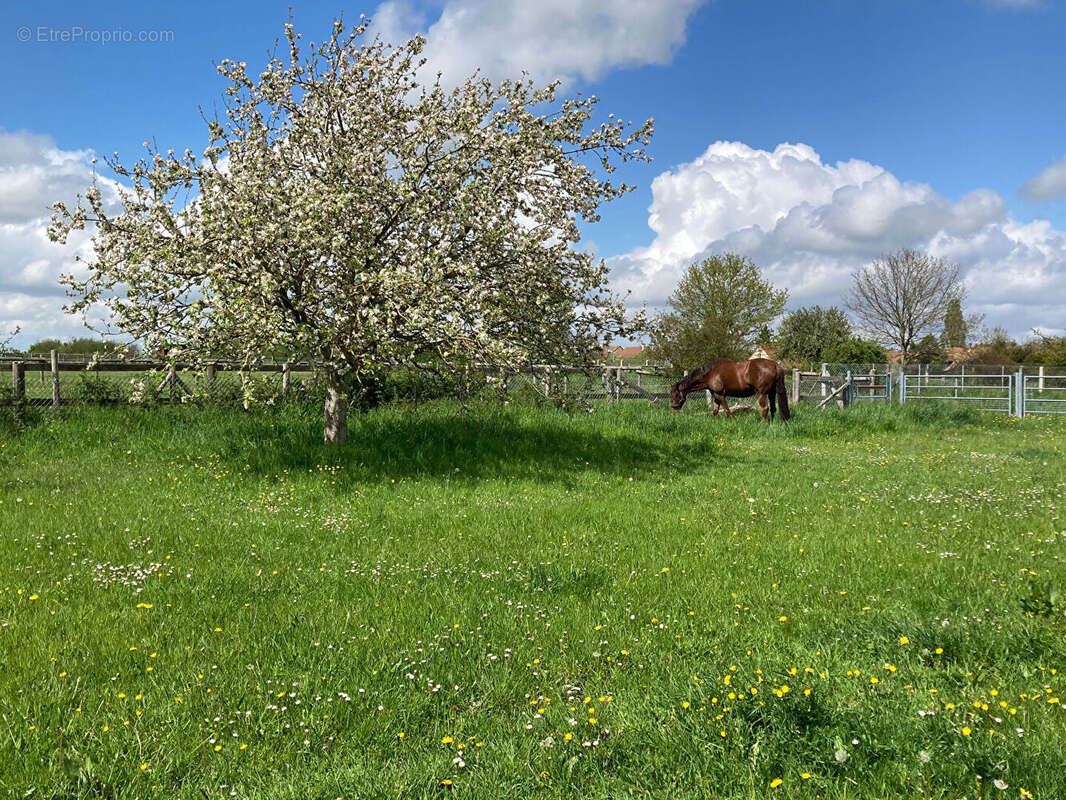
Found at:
(335, 412)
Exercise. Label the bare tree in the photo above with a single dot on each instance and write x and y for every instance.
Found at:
(900, 297)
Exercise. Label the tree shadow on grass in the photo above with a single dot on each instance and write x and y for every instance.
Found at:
(548, 446)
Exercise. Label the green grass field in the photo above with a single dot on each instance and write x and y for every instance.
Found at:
(516, 602)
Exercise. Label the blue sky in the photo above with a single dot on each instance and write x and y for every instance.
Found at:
(928, 102)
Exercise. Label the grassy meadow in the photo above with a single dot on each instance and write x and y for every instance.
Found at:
(520, 602)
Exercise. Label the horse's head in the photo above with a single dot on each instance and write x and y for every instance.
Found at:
(677, 397)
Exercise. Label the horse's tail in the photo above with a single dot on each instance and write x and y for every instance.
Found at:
(782, 394)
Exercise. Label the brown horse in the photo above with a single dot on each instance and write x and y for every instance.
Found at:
(724, 378)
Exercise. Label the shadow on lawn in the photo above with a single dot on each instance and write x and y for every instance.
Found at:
(480, 444)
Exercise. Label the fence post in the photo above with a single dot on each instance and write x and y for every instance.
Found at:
(172, 382)
(285, 378)
(618, 384)
(54, 358)
(902, 387)
(707, 394)
(1040, 382)
(849, 391)
(18, 381)
(209, 378)
(795, 386)
(1019, 405)
(825, 374)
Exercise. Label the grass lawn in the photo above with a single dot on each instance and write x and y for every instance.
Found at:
(516, 602)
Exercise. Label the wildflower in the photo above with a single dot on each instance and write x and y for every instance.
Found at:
(775, 783)
(447, 740)
(805, 775)
(966, 730)
(904, 640)
(686, 704)
(400, 735)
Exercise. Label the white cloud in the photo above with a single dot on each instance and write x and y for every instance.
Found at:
(34, 173)
(567, 39)
(809, 225)
(1049, 184)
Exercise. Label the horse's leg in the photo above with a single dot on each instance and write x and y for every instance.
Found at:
(772, 395)
(725, 405)
(763, 404)
(717, 404)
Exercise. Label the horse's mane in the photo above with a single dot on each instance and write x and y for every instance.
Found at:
(698, 372)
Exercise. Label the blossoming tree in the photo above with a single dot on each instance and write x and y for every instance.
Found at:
(346, 212)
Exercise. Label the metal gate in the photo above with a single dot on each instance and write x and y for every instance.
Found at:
(986, 392)
(871, 385)
(1042, 394)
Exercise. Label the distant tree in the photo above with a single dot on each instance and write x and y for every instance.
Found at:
(82, 346)
(1050, 350)
(996, 346)
(811, 334)
(928, 350)
(857, 351)
(900, 297)
(954, 334)
(719, 310)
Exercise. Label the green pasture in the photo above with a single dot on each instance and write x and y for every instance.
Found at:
(515, 601)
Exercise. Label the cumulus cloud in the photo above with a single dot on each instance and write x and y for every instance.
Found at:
(566, 39)
(1049, 184)
(809, 225)
(34, 173)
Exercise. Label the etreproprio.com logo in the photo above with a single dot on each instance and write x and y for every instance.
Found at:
(77, 34)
